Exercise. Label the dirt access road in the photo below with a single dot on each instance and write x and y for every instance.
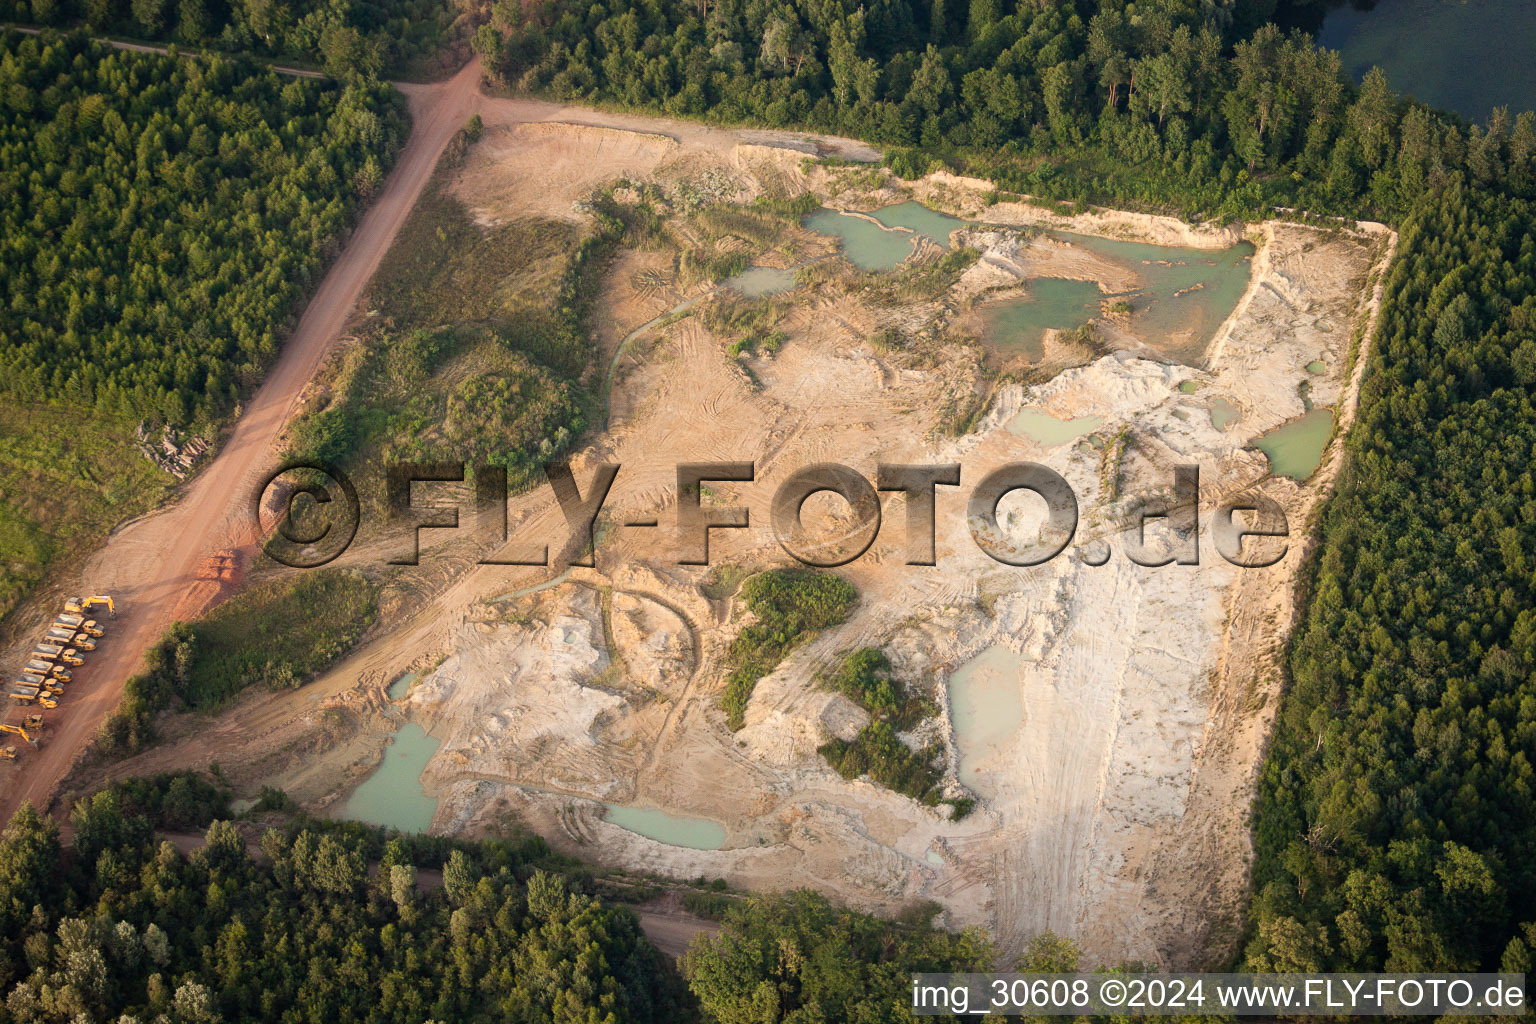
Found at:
(123, 44)
(150, 565)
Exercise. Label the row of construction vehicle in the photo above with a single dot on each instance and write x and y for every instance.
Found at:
(43, 678)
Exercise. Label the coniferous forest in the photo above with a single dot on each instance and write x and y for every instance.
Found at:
(165, 218)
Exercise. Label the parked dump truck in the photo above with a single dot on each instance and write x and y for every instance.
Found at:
(76, 622)
(50, 652)
(56, 635)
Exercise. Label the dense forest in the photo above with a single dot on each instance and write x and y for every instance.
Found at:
(1395, 823)
(126, 928)
(1394, 827)
(334, 922)
(165, 216)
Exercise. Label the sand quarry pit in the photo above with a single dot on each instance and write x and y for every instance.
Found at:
(1107, 718)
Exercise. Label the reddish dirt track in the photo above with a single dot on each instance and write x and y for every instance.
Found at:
(149, 566)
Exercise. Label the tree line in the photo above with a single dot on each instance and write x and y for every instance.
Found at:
(349, 38)
(127, 928)
(1181, 104)
(334, 922)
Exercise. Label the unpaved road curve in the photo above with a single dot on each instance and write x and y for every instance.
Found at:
(149, 564)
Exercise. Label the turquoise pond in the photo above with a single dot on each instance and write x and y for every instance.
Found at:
(884, 245)
(392, 796)
(1182, 296)
(1016, 327)
(1295, 449)
(866, 245)
(919, 220)
(672, 829)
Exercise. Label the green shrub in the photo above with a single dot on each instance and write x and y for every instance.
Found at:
(790, 605)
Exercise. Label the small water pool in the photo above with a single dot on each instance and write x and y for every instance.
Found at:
(758, 281)
(985, 707)
(392, 796)
(1049, 430)
(402, 686)
(672, 829)
(1295, 449)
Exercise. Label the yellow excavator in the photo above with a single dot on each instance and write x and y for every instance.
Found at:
(81, 605)
(19, 730)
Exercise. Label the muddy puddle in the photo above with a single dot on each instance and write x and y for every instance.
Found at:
(402, 686)
(986, 709)
(392, 796)
(1223, 413)
(1295, 449)
(672, 829)
(755, 282)
(1048, 430)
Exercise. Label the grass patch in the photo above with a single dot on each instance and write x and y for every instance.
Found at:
(751, 323)
(280, 634)
(480, 353)
(864, 677)
(879, 753)
(444, 268)
(67, 477)
(790, 605)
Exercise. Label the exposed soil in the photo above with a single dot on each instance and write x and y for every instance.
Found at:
(1114, 814)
